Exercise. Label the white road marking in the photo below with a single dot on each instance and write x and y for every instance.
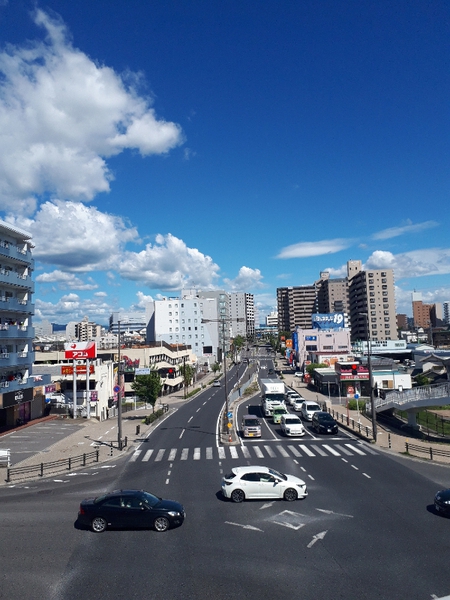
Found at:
(294, 450)
(221, 451)
(233, 452)
(306, 450)
(147, 455)
(189, 420)
(282, 451)
(209, 453)
(258, 452)
(167, 481)
(344, 450)
(266, 505)
(172, 454)
(311, 477)
(357, 450)
(269, 451)
(319, 450)
(356, 468)
(181, 434)
(160, 454)
(368, 476)
(196, 453)
(244, 526)
(331, 449)
(318, 536)
(184, 453)
(135, 455)
(245, 451)
(331, 512)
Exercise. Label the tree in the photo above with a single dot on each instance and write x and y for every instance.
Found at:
(422, 379)
(216, 367)
(238, 344)
(188, 374)
(147, 387)
(310, 368)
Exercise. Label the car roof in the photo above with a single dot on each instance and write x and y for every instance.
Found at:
(250, 469)
(291, 416)
(309, 402)
(250, 417)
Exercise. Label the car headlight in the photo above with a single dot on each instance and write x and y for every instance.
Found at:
(173, 513)
(446, 501)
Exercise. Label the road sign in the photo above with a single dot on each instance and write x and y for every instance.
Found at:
(116, 389)
(356, 396)
(229, 415)
(229, 425)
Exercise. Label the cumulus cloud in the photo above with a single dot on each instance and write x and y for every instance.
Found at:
(417, 263)
(408, 228)
(66, 280)
(169, 265)
(246, 280)
(62, 115)
(71, 307)
(305, 249)
(76, 237)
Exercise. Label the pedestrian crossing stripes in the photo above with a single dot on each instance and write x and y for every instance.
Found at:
(252, 451)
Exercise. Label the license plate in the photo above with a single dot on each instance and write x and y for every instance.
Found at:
(250, 435)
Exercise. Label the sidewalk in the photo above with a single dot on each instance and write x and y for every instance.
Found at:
(387, 440)
(93, 434)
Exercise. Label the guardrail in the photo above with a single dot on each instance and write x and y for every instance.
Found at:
(44, 468)
(426, 450)
(362, 430)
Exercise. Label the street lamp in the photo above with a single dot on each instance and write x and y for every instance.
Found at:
(369, 365)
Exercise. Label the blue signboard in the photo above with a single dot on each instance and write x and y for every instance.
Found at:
(326, 321)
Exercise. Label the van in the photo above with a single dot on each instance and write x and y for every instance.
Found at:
(251, 427)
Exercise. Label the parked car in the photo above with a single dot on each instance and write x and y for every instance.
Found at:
(130, 509)
(291, 425)
(216, 383)
(323, 422)
(308, 408)
(257, 482)
(277, 413)
(298, 374)
(442, 502)
(251, 426)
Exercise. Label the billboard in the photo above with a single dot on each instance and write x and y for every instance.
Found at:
(327, 321)
(80, 350)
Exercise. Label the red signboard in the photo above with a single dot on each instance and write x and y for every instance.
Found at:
(81, 370)
(80, 350)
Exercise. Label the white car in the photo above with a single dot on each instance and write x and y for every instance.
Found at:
(298, 374)
(216, 383)
(297, 406)
(257, 482)
(293, 398)
(291, 425)
(308, 408)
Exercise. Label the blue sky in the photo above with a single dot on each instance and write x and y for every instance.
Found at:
(155, 146)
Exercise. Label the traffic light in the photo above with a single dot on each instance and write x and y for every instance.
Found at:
(354, 370)
(171, 373)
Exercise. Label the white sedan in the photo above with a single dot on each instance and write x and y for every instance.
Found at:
(257, 482)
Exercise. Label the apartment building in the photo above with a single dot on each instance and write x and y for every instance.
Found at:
(332, 294)
(87, 330)
(20, 399)
(242, 315)
(296, 306)
(372, 303)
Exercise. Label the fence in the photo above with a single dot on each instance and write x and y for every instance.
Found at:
(58, 465)
(426, 450)
(360, 428)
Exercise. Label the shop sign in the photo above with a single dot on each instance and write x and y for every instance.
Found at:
(344, 376)
(80, 350)
(81, 370)
(49, 389)
(17, 397)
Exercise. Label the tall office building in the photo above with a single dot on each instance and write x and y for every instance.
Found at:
(446, 312)
(372, 303)
(242, 315)
(332, 294)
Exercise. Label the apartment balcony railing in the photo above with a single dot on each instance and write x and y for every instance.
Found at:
(16, 359)
(15, 305)
(10, 331)
(17, 252)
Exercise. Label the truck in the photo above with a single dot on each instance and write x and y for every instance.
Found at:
(273, 394)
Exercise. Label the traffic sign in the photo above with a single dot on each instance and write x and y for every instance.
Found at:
(229, 425)
(116, 389)
(356, 396)
(229, 415)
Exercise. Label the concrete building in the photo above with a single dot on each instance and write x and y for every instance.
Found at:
(127, 324)
(272, 319)
(22, 396)
(421, 311)
(87, 330)
(372, 303)
(296, 306)
(321, 346)
(332, 294)
(242, 315)
(446, 312)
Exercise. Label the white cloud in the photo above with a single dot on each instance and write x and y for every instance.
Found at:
(417, 263)
(169, 265)
(246, 280)
(306, 249)
(66, 280)
(72, 307)
(143, 300)
(61, 115)
(408, 228)
(76, 237)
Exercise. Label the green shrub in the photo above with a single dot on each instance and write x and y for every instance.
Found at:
(153, 416)
(356, 404)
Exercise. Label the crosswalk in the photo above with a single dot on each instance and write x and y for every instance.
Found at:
(252, 451)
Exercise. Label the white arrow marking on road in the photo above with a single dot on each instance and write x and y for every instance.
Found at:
(331, 512)
(319, 536)
(266, 505)
(243, 526)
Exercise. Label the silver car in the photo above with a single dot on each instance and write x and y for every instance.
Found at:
(308, 408)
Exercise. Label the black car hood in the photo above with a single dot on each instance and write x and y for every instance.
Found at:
(169, 505)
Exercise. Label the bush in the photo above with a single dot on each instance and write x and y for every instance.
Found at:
(153, 416)
(357, 404)
(193, 392)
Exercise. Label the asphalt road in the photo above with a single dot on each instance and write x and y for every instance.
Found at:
(366, 530)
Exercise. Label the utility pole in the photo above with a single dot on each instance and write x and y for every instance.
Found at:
(369, 366)
(119, 392)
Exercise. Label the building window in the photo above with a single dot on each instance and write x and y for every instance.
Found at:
(383, 274)
(386, 312)
(385, 305)
(373, 313)
(385, 293)
(372, 293)
(371, 287)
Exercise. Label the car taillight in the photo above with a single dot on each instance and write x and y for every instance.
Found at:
(81, 511)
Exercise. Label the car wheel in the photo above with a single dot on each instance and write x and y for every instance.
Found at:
(161, 524)
(237, 496)
(98, 524)
(290, 495)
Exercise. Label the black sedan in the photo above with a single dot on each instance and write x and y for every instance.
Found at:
(130, 509)
(442, 502)
(323, 422)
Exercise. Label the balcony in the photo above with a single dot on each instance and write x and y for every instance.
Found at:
(15, 305)
(18, 360)
(13, 251)
(18, 332)
(16, 280)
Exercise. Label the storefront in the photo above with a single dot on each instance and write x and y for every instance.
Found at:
(353, 379)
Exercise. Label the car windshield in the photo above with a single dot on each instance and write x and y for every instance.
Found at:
(279, 411)
(327, 418)
(277, 474)
(292, 421)
(251, 422)
(150, 499)
(312, 407)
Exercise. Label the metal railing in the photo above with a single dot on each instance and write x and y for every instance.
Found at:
(426, 450)
(425, 392)
(51, 467)
(360, 428)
